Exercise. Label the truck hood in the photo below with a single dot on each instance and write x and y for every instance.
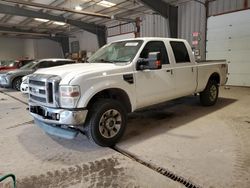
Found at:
(68, 72)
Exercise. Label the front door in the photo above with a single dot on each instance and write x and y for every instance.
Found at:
(154, 86)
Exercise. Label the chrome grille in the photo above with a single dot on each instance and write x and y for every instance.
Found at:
(43, 89)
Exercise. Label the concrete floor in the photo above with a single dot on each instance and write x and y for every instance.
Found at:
(209, 146)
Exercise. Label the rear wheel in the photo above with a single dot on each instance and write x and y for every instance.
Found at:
(106, 122)
(17, 83)
(209, 96)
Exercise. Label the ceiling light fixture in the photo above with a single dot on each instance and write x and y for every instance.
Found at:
(106, 4)
(78, 7)
(41, 20)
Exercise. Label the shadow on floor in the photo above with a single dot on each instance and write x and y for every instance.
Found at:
(169, 115)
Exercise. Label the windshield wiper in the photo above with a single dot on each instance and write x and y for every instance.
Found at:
(110, 61)
(120, 61)
(103, 61)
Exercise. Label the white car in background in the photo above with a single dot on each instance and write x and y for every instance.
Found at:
(24, 88)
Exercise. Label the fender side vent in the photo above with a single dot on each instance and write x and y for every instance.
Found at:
(128, 78)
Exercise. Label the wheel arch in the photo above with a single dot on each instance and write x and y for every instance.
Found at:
(215, 77)
(15, 78)
(112, 93)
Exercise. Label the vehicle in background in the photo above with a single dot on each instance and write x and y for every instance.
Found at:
(120, 78)
(13, 79)
(24, 88)
(13, 64)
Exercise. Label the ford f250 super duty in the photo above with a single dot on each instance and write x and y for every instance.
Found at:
(94, 98)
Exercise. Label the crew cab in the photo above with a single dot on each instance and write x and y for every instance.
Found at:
(94, 98)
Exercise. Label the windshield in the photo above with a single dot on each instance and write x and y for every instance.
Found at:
(116, 52)
(30, 65)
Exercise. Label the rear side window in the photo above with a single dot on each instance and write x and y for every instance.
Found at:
(180, 52)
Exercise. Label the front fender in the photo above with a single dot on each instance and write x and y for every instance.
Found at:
(92, 90)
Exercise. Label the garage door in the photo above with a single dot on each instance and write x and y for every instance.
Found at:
(228, 37)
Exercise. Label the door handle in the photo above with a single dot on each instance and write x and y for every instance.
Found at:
(192, 69)
(169, 70)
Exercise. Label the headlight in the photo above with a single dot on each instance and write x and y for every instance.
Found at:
(69, 96)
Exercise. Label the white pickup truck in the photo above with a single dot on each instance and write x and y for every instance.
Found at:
(94, 98)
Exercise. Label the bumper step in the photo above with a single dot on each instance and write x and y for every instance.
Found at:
(57, 131)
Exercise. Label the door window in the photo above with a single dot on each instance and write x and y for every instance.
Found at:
(43, 64)
(155, 46)
(180, 52)
(65, 62)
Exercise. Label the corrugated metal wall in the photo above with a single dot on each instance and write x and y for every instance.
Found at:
(152, 25)
(192, 18)
(222, 6)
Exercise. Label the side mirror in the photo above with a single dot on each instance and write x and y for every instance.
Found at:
(153, 62)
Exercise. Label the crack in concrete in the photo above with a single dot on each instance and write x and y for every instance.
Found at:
(21, 124)
(14, 98)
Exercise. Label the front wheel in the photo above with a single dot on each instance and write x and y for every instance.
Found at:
(106, 122)
(17, 83)
(209, 96)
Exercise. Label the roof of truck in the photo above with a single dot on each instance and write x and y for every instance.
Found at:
(153, 38)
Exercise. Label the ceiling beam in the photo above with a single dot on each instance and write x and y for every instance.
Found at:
(54, 3)
(100, 31)
(44, 6)
(159, 6)
(34, 28)
(6, 18)
(13, 30)
(63, 40)
(167, 11)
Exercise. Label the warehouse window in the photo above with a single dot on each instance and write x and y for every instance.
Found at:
(155, 46)
(180, 52)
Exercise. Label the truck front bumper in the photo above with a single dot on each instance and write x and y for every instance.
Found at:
(59, 122)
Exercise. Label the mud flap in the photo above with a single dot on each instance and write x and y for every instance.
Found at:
(57, 131)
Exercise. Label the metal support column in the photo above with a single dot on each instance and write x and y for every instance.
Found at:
(167, 11)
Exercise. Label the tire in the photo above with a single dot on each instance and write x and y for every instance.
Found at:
(209, 96)
(17, 83)
(106, 122)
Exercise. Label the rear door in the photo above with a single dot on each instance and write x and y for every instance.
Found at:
(185, 70)
(154, 86)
